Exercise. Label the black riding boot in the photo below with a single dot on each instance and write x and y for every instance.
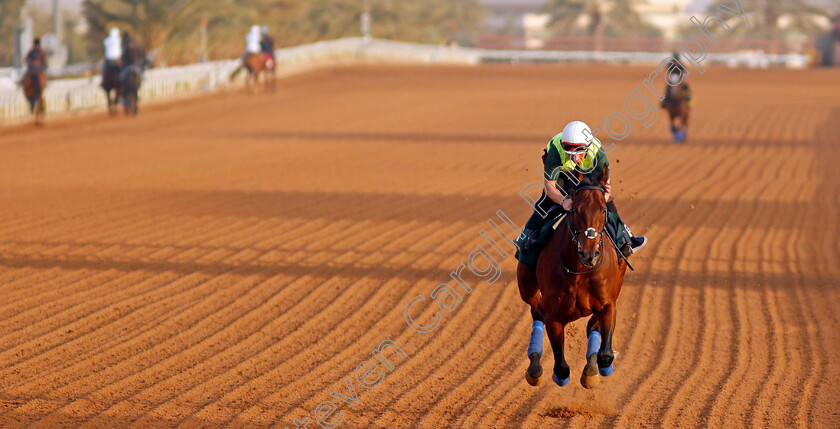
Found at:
(629, 243)
(532, 228)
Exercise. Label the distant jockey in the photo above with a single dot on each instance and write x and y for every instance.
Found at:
(267, 46)
(252, 42)
(113, 51)
(132, 56)
(676, 70)
(36, 58)
(36, 62)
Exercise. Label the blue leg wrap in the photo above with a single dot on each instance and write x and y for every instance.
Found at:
(536, 344)
(606, 371)
(560, 382)
(594, 343)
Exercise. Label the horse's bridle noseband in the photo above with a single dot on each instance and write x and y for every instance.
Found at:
(589, 232)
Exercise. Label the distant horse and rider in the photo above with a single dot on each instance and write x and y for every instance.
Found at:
(122, 72)
(573, 256)
(35, 81)
(258, 59)
(677, 101)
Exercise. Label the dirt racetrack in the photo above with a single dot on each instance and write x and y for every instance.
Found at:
(230, 260)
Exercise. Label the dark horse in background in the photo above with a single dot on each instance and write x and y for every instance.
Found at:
(34, 84)
(129, 87)
(676, 102)
(111, 85)
(578, 274)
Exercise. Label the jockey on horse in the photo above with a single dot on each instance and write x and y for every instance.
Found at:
(573, 151)
(677, 100)
(674, 71)
(132, 56)
(111, 68)
(34, 81)
(113, 54)
(36, 62)
(252, 42)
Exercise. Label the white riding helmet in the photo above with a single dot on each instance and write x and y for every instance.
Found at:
(255, 29)
(576, 137)
(115, 32)
(264, 29)
(674, 78)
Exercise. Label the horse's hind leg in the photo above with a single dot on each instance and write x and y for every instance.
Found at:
(530, 292)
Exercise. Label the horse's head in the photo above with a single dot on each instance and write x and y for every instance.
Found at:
(587, 220)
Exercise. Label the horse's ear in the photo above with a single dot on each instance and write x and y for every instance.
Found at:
(605, 177)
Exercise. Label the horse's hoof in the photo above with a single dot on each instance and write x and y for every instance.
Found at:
(589, 378)
(606, 371)
(589, 381)
(532, 380)
(534, 372)
(560, 382)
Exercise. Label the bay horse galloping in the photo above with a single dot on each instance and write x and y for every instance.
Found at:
(578, 274)
(676, 102)
(34, 84)
(257, 64)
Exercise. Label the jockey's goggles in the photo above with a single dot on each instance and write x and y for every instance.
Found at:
(574, 149)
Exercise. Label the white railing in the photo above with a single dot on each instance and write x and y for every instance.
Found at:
(80, 95)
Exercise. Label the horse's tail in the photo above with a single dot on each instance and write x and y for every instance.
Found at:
(236, 72)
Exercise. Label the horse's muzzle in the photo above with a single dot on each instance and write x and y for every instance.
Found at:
(590, 260)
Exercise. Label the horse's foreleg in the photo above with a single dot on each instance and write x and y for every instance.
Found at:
(556, 334)
(589, 378)
(606, 325)
(529, 291)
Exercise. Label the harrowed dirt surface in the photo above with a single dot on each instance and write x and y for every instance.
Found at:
(229, 261)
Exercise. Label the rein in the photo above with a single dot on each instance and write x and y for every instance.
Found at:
(590, 232)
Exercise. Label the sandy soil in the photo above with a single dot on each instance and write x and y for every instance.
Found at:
(229, 261)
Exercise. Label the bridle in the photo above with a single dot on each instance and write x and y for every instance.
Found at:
(590, 233)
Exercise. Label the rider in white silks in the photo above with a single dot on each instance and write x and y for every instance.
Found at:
(252, 42)
(113, 51)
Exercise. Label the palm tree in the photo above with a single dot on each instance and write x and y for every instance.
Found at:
(613, 18)
(779, 19)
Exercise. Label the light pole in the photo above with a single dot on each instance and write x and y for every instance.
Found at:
(203, 34)
(366, 20)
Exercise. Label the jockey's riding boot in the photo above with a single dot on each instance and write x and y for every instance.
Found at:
(634, 243)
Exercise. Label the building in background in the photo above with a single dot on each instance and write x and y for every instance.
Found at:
(507, 17)
(669, 16)
(527, 21)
